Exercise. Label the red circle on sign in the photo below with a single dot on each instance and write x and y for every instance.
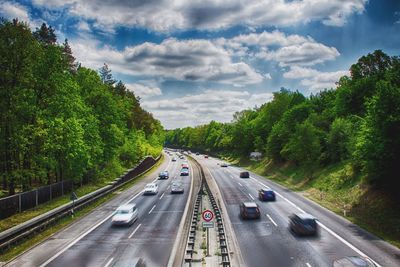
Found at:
(207, 215)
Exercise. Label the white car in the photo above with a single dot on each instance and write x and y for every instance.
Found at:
(125, 215)
(151, 189)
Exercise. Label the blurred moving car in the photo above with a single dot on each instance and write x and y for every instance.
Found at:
(185, 166)
(303, 224)
(173, 159)
(185, 172)
(177, 187)
(353, 261)
(224, 164)
(244, 175)
(151, 189)
(249, 210)
(125, 215)
(206, 156)
(266, 195)
(197, 153)
(163, 175)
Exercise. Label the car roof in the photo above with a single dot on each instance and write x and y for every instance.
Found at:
(266, 190)
(305, 216)
(126, 207)
(250, 204)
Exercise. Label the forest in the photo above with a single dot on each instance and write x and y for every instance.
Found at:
(60, 120)
(358, 122)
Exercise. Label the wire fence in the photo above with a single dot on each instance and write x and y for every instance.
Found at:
(28, 200)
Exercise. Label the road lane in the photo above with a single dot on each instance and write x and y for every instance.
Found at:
(107, 245)
(152, 241)
(324, 249)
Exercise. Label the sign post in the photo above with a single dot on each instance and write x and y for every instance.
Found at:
(208, 217)
(73, 197)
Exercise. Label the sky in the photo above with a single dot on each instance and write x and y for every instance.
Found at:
(195, 61)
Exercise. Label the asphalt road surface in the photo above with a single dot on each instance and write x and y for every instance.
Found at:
(95, 242)
(268, 242)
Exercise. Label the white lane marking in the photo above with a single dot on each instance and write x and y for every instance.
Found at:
(134, 231)
(269, 217)
(347, 243)
(162, 195)
(85, 233)
(260, 183)
(329, 230)
(109, 262)
(152, 209)
(240, 184)
(251, 196)
(308, 265)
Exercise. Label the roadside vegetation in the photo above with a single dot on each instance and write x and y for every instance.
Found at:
(341, 147)
(61, 121)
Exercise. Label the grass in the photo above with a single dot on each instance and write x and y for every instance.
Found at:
(337, 187)
(60, 224)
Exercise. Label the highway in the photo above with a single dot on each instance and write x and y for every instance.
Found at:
(93, 241)
(268, 242)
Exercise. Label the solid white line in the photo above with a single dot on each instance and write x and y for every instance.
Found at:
(308, 265)
(162, 195)
(152, 209)
(330, 231)
(269, 217)
(134, 231)
(240, 184)
(108, 262)
(347, 243)
(85, 234)
(260, 183)
(251, 196)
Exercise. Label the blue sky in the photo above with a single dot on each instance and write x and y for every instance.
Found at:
(196, 61)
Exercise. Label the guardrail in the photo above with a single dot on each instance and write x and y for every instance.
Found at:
(220, 224)
(20, 232)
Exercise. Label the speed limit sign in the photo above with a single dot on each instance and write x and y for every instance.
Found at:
(207, 215)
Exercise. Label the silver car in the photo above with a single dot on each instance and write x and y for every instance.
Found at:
(176, 187)
(125, 215)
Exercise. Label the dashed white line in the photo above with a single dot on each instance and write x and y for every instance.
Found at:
(162, 195)
(269, 217)
(308, 265)
(134, 231)
(240, 184)
(109, 262)
(152, 209)
(251, 196)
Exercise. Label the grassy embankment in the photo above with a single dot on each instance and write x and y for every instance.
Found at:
(337, 187)
(29, 214)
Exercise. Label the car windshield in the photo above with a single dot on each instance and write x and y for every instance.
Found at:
(123, 212)
(310, 222)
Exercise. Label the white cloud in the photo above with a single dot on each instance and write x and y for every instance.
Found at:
(143, 91)
(167, 15)
(83, 26)
(12, 10)
(195, 109)
(305, 54)
(313, 79)
(191, 60)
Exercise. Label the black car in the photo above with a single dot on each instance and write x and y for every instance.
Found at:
(303, 224)
(249, 210)
(244, 175)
